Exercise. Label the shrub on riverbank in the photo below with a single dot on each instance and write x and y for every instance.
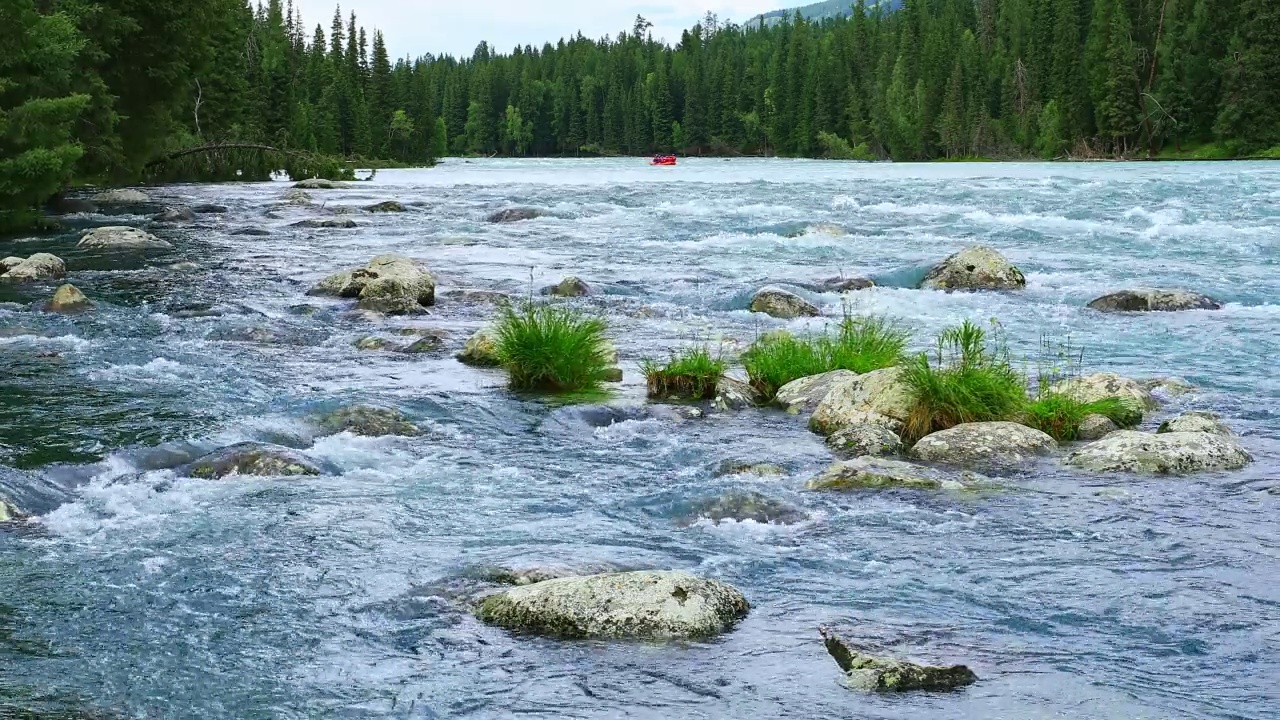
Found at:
(690, 374)
(552, 348)
(861, 344)
(969, 380)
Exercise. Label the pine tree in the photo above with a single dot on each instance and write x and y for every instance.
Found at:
(1118, 113)
(1250, 114)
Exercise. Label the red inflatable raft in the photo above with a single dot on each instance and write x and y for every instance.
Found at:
(663, 160)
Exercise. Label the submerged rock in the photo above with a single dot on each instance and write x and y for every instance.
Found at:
(868, 438)
(425, 344)
(486, 297)
(865, 672)
(122, 197)
(1173, 386)
(779, 303)
(1172, 453)
(984, 444)
(738, 467)
(41, 266)
(643, 605)
(529, 575)
(251, 458)
(252, 232)
(68, 299)
(734, 394)
(481, 349)
(805, 394)
(209, 209)
(978, 267)
(390, 284)
(318, 184)
(339, 223)
(1196, 421)
(295, 196)
(570, 287)
(369, 421)
(373, 342)
(119, 237)
(511, 215)
(874, 473)
(1095, 427)
(1101, 386)
(744, 506)
(882, 392)
(388, 206)
(842, 284)
(829, 229)
(10, 512)
(1154, 300)
(175, 215)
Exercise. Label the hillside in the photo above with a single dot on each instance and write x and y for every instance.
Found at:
(816, 11)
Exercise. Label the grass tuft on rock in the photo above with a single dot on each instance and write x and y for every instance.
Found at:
(970, 379)
(860, 344)
(551, 348)
(690, 374)
(1059, 416)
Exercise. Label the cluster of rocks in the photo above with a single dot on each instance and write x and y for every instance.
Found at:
(390, 284)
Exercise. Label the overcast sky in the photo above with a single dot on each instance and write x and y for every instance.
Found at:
(415, 27)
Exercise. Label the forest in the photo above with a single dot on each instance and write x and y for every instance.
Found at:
(104, 91)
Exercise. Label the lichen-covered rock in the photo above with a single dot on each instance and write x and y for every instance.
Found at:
(1095, 427)
(332, 223)
(485, 297)
(883, 392)
(1100, 386)
(782, 304)
(805, 394)
(842, 284)
(175, 215)
(295, 196)
(1197, 421)
(369, 421)
(119, 237)
(531, 574)
(868, 438)
(1154, 300)
(570, 287)
(511, 215)
(1173, 453)
(869, 673)
(390, 284)
(389, 206)
(978, 267)
(1171, 386)
(373, 342)
(984, 444)
(874, 473)
(10, 262)
(41, 266)
(68, 299)
(744, 506)
(425, 344)
(481, 349)
(317, 184)
(250, 458)
(739, 467)
(121, 197)
(612, 375)
(734, 394)
(644, 605)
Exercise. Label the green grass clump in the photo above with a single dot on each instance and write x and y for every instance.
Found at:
(1059, 416)
(552, 348)
(690, 374)
(860, 344)
(970, 380)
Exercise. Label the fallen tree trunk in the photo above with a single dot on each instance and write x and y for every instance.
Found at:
(214, 148)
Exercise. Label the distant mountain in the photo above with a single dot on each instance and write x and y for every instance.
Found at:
(819, 10)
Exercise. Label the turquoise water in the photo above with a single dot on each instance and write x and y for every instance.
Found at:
(1073, 596)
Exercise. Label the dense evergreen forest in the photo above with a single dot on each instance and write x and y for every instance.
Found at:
(101, 90)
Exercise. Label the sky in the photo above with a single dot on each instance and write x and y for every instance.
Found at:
(414, 28)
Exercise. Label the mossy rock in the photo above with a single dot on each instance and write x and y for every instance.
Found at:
(877, 473)
(481, 349)
(873, 674)
(369, 421)
(256, 459)
(978, 267)
(1170, 453)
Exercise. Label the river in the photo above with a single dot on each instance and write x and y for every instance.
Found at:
(144, 594)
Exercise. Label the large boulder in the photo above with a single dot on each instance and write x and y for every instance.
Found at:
(782, 304)
(251, 459)
(875, 473)
(119, 237)
(868, 438)
(41, 266)
(984, 444)
(388, 206)
(874, 674)
(122, 197)
(1101, 386)
(332, 223)
(645, 605)
(741, 506)
(883, 392)
(805, 394)
(734, 394)
(978, 267)
(68, 299)
(390, 284)
(12, 261)
(511, 215)
(1172, 453)
(369, 421)
(1196, 421)
(481, 349)
(570, 287)
(317, 184)
(1154, 300)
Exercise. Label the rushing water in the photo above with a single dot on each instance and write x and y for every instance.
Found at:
(1072, 596)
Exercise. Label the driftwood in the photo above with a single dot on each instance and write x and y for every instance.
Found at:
(215, 148)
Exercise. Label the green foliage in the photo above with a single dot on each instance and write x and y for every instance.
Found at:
(837, 148)
(552, 348)
(690, 374)
(861, 344)
(1059, 416)
(970, 379)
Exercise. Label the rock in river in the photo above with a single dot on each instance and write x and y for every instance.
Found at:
(868, 438)
(41, 266)
(1101, 386)
(511, 215)
(1172, 453)
(119, 237)
(295, 196)
(1095, 427)
(1154, 300)
(1197, 421)
(805, 394)
(339, 223)
(744, 506)
(644, 605)
(984, 444)
(734, 394)
(570, 287)
(782, 304)
(978, 267)
(865, 672)
(122, 197)
(481, 349)
(68, 299)
(873, 473)
(389, 284)
(388, 206)
(369, 421)
(317, 184)
(175, 215)
(252, 459)
(843, 284)
(882, 392)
